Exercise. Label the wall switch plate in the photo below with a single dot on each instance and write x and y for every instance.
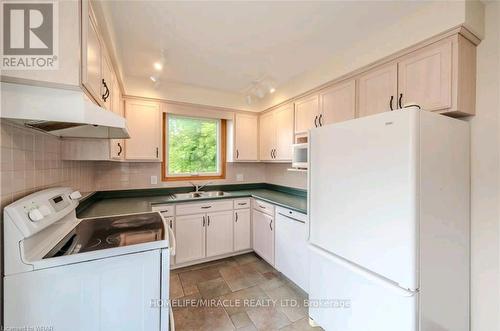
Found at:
(154, 180)
(239, 177)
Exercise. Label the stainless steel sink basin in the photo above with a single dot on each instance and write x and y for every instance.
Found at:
(201, 194)
(215, 193)
(190, 195)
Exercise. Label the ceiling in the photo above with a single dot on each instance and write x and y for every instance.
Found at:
(227, 45)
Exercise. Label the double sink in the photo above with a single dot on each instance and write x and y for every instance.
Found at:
(199, 194)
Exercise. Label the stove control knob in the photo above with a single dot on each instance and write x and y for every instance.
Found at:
(35, 215)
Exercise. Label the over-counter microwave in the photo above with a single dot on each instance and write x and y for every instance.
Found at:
(299, 156)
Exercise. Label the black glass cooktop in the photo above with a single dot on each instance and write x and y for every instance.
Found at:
(107, 232)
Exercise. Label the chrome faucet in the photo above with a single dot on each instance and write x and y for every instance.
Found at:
(197, 187)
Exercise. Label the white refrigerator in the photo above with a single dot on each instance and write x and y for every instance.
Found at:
(389, 223)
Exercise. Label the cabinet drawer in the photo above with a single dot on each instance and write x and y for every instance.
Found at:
(165, 210)
(203, 207)
(242, 203)
(264, 207)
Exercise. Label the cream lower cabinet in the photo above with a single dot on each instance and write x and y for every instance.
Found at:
(263, 235)
(201, 236)
(219, 227)
(242, 233)
(190, 238)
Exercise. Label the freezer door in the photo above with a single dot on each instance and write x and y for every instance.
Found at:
(363, 193)
(345, 299)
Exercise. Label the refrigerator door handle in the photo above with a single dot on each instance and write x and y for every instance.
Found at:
(371, 276)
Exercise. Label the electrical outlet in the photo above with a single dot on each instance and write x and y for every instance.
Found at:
(239, 177)
(154, 180)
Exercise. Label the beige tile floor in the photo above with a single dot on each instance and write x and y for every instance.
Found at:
(238, 293)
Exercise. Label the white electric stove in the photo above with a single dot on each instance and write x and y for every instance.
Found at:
(65, 273)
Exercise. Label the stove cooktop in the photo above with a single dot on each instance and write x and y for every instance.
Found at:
(108, 232)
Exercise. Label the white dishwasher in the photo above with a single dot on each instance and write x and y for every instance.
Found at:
(291, 250)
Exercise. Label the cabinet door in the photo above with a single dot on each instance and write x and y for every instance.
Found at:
(424, 77)
(283, 121)
(245, 137)
(263, 235)
(190, 238)
(338, 103)
(219, 233)
(91, 59)
(143, 121)
(306, 114)
(242, 231)
(267, 136)
(117, 149)
(376, 90)
(117, 146)
(107, 86)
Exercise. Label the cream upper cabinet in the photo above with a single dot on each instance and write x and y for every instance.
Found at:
(306, 113)
(425, 77)
(283, 121)
(337, 103)
(378, 90)
(245, 137)
(107, 86)
(267, 136)
(92, 56)
(440, 77)
(117, 146)
(144, 125)
(276, 134)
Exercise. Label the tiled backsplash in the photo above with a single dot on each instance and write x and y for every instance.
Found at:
(125, 175)
(31, 161)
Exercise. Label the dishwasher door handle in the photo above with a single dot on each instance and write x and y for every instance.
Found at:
(291, 218)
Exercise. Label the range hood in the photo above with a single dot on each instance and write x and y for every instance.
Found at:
(60, 112)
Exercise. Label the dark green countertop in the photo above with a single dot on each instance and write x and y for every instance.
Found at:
(105, 203)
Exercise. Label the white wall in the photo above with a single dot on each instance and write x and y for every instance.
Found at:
(485, 180)
(435, 18)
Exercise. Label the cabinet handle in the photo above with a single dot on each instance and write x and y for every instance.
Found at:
(390, 102)
(271, 225)
(242, 203)
(400, 102)
(316, 121)
(106, 93)
(237, 154)
(203, 218)
(206, 207)
(157, 152)
(208, 223)
(262, 207)
(121, 149)
(236, 214)
(271, 153)
(170, 224)
(319, 119)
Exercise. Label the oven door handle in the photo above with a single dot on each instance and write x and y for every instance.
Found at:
(171, 241)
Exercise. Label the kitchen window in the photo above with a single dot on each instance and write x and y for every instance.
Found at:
(193, 148)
